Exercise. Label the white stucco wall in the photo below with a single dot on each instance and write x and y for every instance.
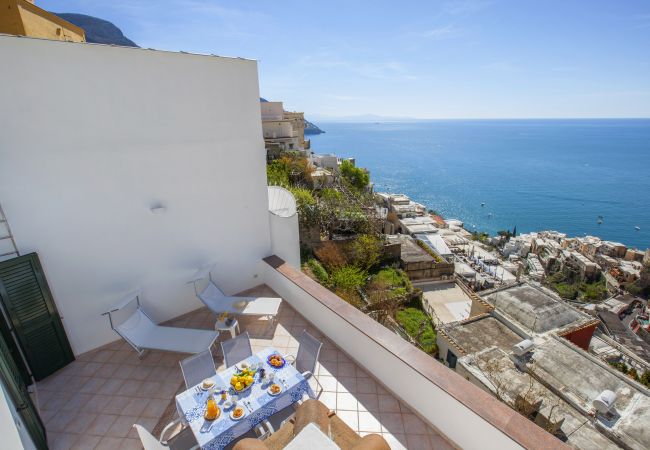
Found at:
(94, 136)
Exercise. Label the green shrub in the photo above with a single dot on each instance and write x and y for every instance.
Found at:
(357, 177)
(412, 319)
(331, 255)
(365, 251)
(347, 278)
(319, 271)
(277, 174)
(394, 278)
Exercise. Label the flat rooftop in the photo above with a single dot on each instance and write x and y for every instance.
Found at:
(578, 431)
(579, 377)
(411, 252)
(475, 335)
(447, 300)
(534, 309)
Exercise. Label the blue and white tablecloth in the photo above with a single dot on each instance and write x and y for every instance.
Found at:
(191, 406)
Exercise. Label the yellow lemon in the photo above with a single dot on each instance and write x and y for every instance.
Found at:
(239, 386)
(233, 380)
(249, 379)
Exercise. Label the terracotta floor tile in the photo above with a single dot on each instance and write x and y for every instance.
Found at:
(122, 426)
(90, 369)
(80, 423)
(86, 442)
(366, 386)
(116, 404)
(346, 384)
(391, 423)
(60, 421)
(329, 383)
(413, 424)
(388, 403)
(92, 385)
(130, 388)
(62, 441)
(107, 370)
(346, 369)
(101, 424)
(131, 444)
(368, 402)
(395, 441)
(110, 387)
(96, 404)
(155, 407)
(345, 401)
(135, 407)
(419, 441)
(109, 443)
(77, 402)
(369, 422)
(57, 401)
(351, 418)
(329, 399)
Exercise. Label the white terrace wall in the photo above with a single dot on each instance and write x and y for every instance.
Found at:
(95, 136)
(463, 426)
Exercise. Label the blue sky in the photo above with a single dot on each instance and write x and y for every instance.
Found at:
(425, 59)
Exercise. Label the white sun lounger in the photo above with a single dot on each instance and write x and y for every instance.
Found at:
(218, 302)
(143, 334)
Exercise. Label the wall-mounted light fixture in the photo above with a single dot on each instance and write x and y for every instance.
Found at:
(158, 209)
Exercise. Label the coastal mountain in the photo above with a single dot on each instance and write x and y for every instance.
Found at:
(98, 31)
(310, 128)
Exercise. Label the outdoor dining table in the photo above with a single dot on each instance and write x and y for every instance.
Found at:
(192, 403)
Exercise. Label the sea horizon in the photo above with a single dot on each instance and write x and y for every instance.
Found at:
(535, 174)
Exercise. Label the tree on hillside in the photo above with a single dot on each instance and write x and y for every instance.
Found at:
(356, 176)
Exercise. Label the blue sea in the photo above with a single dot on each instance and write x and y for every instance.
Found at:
(533, 174)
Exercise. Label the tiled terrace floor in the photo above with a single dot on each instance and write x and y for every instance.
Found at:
(93, 402)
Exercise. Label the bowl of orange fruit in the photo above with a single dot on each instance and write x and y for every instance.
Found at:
(276, 361)
(242, 380)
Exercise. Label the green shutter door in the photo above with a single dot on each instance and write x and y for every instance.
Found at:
(28, 303)
(11, 379)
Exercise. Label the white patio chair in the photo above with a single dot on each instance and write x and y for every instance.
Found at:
(236, 349)
(143, 334)
(307, 357)
(197, 368)
(218, 302)
(184, 440)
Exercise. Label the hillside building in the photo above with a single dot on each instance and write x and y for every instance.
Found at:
(24, 18)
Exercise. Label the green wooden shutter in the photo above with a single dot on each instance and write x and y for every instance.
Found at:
(11, 379)
(28, 302)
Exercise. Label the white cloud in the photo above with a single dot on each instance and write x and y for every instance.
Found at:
(440, 33)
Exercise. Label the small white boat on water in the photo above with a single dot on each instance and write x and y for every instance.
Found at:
(637, 228)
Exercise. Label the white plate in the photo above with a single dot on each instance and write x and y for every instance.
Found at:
(271, 393)
(206, 388)
(240, 417)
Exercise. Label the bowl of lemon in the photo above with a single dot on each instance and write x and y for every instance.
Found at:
(242, 380)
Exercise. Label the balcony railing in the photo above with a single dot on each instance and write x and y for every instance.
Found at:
(464, 413)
